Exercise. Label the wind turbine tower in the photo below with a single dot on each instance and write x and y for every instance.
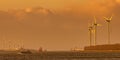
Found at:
(108, 20)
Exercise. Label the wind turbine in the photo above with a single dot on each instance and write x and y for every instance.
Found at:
(95, 24)
(108, 20)
(90, 28)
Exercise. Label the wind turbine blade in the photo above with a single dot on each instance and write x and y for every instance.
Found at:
(105, 18)
(111, 17)
(90, 26)
(93, 31)
(99, 25)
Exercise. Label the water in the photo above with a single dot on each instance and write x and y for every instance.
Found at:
(59, 59)
(26, 57)
(62, 56)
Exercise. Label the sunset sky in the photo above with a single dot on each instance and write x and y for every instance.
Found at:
(56, 24)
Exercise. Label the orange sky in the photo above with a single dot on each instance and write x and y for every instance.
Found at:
(33, 3)
(55, 24)
(54, 4)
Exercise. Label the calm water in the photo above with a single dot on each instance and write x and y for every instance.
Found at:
(63, 56)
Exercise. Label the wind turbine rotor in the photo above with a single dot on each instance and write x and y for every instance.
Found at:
(108, 19)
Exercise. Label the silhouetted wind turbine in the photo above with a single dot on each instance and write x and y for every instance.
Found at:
(108, 20)
(95, 30)
(90, 28)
